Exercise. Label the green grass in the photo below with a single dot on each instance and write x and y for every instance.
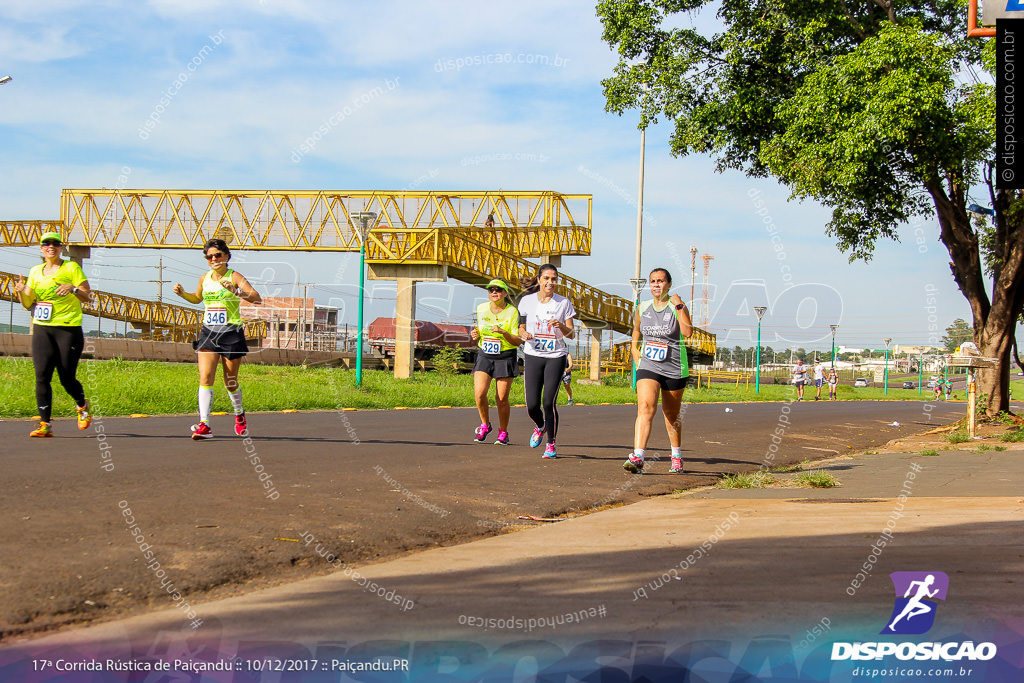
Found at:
(795, 467)
(984, 447)
(816, 479)
(929, 451)
(754, 480)
(1012, 436)
(118, 387)
(957, 436)
(999, 448)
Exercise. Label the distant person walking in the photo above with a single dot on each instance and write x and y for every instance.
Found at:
(221, 338)
(567, 378)
(662, 325)
(55, 292)
(546, 321)
(799, 379)
(833, 384)
(819, 379)
(497, 322)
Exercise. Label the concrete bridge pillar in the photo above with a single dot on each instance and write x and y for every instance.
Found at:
(595, 327)
(406, 277)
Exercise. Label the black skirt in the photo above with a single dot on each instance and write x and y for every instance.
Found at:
(229, 343)
(498, 367)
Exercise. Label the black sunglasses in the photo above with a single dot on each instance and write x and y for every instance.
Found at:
(51, 243)
(210, 257)
(495, 289)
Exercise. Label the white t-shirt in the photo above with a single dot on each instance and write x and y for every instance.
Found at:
(547, 342)
(819, 372)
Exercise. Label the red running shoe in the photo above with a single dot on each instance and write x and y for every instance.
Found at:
(201, 431)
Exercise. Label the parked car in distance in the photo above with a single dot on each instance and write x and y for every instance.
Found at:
(861, 382)
(909, 385)
(931, 384)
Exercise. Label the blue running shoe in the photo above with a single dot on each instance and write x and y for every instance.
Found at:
(535, 440)
(549, 452)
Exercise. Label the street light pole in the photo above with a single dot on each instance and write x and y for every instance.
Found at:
(363, 222)
(885, 372)
(759, 310)
(833, 328)
(637, 283)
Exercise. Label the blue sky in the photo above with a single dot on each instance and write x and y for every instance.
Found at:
(436, 95)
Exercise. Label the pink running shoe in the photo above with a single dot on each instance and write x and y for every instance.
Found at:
(481, 433)
(241, 427)
(535, 439)
(201, 431)
(550, 452)
(677, 466)
(634, 464)
(502, 438)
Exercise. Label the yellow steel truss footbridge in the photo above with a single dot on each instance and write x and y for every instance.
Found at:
(474, 236)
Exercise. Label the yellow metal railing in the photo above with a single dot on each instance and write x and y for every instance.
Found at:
(532, 223)
(706, 376)
(160, 321)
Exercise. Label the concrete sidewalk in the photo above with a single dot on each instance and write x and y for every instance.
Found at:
(798, 566)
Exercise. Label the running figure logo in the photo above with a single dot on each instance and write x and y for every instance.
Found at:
(916, 593)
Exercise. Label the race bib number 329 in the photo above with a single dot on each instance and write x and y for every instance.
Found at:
(490, 346)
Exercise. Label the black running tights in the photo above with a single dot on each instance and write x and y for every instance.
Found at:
(60, 348)
(543, 377)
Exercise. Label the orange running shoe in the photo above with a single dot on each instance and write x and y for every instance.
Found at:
(42, 431)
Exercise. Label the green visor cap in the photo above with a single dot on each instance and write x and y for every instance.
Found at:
(47, 236)
(500, 284)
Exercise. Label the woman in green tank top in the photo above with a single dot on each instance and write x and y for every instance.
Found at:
(221, 338)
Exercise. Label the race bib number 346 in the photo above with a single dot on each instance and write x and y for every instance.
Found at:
(216, 315)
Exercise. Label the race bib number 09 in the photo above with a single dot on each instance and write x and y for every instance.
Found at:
(544, 343)
(216, 315)
(43, 311)
(656, 351)
(490, 346)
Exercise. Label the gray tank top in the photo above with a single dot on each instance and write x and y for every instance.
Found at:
(663, 351)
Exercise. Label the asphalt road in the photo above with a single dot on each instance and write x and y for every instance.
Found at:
(90, 512)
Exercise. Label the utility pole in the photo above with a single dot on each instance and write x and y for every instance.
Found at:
(160, 281)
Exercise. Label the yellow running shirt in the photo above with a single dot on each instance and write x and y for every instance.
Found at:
(490, 343)
(50, 309)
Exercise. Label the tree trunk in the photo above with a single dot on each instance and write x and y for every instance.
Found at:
(994, 383)
(994, 319)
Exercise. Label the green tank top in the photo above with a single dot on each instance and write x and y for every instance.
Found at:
(222, 308)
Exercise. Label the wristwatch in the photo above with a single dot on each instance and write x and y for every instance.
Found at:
(74, 290)
(680, 307)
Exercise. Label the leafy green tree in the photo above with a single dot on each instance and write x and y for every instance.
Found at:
(873, 108)
(956, 334)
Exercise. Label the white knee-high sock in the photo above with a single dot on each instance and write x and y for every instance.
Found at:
(205, 403)
(236, 401)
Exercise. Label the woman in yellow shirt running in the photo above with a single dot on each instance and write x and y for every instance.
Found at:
(55, 292)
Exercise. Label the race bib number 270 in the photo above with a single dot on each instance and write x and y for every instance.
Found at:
(656, 351)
